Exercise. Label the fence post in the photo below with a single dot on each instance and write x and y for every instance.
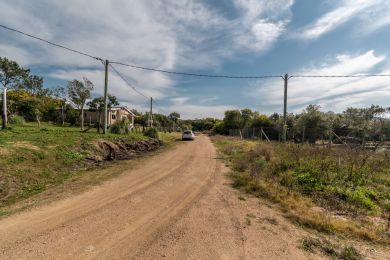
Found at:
(261, 133)
(330, 139)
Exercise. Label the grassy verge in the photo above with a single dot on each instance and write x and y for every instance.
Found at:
(33, 160)
(343, 192)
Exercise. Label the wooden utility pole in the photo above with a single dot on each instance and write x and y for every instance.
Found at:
(5, 109)
(105, 96)
(151, 113)
(285, 108)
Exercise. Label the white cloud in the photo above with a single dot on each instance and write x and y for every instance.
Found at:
(331, 93)
(163, 34)
(343, 12)
(375, 18)
(266, 21)
(189, 108)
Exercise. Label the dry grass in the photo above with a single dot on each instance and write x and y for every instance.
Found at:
(301, 179)
(36, 159)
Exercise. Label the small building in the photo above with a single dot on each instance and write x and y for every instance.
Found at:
(114, 114)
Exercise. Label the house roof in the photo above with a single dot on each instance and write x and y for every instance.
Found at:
(122, 107)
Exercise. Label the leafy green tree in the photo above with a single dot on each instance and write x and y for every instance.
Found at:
(260, 120)
(246, 117)
(97, 104)
(34, 85)
(11, 74)
(313, 122)
(219, 128)
(232, 120)
(174, 116)
(31, 108)
(78, 93)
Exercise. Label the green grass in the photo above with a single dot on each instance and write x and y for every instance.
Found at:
(33, 159)
(329, 249)
(300, 178)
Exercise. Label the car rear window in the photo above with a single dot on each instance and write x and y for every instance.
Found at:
(187, 131)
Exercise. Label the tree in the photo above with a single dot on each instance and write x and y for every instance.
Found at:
(174, 116)
(11, 74)
(60, 93)
(31, 108)
(34, 85)
(232, 120)
(246, 117)
(97, 104)
(218, 128)
(78, 93)
(313, 122)
(260, 121)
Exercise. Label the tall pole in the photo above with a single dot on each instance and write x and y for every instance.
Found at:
(285, 108)
(151, 113)
(4, 108)
(105, 97)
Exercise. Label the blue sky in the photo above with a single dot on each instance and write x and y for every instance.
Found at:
(235, 37)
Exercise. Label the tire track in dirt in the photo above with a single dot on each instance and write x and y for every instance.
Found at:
(113, 220)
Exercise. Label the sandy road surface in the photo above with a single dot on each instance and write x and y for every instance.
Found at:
(119, 218)
(175, 206)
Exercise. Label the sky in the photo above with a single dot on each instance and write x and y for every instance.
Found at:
(229, 37)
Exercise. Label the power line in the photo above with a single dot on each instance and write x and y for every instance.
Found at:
(341, 76)
(135, 89)
(192, 74)
(185, 73)
(158, 106)
(127, 82)
(49, 42)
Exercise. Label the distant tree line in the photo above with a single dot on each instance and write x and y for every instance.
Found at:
(31, 101)
(312, 123)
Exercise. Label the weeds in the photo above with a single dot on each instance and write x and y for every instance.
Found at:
(353, 181)
(34, 159)
(241, 198)
(328, 248)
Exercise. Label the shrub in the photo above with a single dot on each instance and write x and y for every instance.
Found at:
(350, 253)
(360, 199)
(152, 133)
(263, 150)
(121, 127)
(16, 120)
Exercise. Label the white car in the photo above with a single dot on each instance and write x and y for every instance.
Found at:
(188, 135)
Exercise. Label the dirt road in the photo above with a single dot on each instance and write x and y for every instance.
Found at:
(176, 206)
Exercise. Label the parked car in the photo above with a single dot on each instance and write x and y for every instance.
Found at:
(188, 135)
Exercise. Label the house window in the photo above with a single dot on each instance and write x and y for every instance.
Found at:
(113, 116)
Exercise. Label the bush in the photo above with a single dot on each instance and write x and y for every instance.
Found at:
(263, 150)
(121, 127)
(16, 120)
(360, 199)
(151, 132)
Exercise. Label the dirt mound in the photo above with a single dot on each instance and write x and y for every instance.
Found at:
(120, 150)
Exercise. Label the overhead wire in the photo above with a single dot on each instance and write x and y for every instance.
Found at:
(134, 88)
(184, 73)
(127, 82)
(341, 76)
(49, 42)
(193, 74)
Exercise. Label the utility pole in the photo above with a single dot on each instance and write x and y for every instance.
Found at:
(285, 109)
(105, 96)
(4, 108)
(151, 113)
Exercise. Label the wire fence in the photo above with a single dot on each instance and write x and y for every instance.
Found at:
(334, 136)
